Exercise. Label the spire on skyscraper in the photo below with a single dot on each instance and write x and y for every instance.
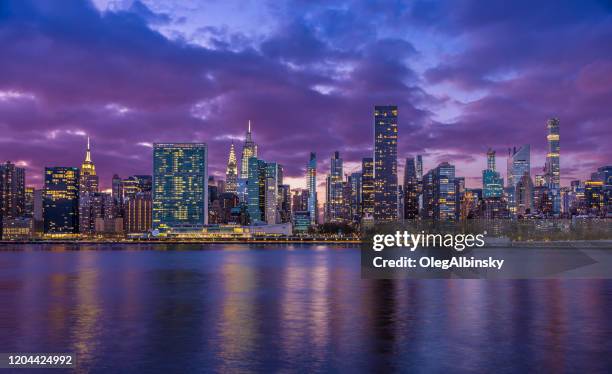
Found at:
(248, 150)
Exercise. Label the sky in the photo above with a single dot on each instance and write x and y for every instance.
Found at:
(466, 75)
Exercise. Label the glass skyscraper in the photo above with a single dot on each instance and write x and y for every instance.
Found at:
(552, 168)
(385, 163)
(311, 183)
(249, 150)
(61, 200)
(411, 187)
(444, 192)
(180, 185)
(367, 187)
(492, 182)
(518, 164)
(335, 201)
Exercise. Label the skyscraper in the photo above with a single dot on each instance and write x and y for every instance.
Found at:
(12, 191)
(367, 187)
(180, 185)
(444, 192)
(88, 184)
(61, 200)
(492, 182)
(256, 183)
(271, 187)
(419, 168)
(231, 173)
(355, 202)
(311, 184)
(552, 172)
(518, 164)
(249, 149)
(523, 195)
(411, 184)
(335, 201)
(88, 180)
(552, 168)
(385, 163)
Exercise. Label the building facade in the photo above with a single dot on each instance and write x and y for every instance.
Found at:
(61, 200)
(180, 185)
(385, 163)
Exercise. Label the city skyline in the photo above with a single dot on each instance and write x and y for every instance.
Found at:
(461, 88)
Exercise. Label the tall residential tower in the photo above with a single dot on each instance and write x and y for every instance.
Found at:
(385, 163)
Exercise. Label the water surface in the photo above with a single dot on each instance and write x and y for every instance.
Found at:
(235, 308)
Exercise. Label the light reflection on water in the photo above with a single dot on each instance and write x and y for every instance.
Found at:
(235, 309)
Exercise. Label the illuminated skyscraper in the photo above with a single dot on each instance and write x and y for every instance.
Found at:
(335, 202)
(180, 185)
(444, 192)
(311, 184)
(385, 163)
(256, 190)
(518, 164)
(271, 195)
(61, 200)
(492, 182)
(411, 187)
(231, 173)
(552, 168)
(88, 184)
(88, 179)
(12, 191)
(248, 150)
(419, 168)
(367, 187)
(12, 194)
(355, 202)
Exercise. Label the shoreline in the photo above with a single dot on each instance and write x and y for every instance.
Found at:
(591, 243)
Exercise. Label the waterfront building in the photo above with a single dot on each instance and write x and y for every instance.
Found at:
(249, 149)
(335, 193)
(18, 228)
(301, 221)
(139, 213)
(254, 184)
(411, 190)
(354, 181)
(231, 172)
(367, 187)
(94, 206)
(311, 184)
(180, 185)
(273, 174)
(12, 191)
(61, 201)
(385, 163)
